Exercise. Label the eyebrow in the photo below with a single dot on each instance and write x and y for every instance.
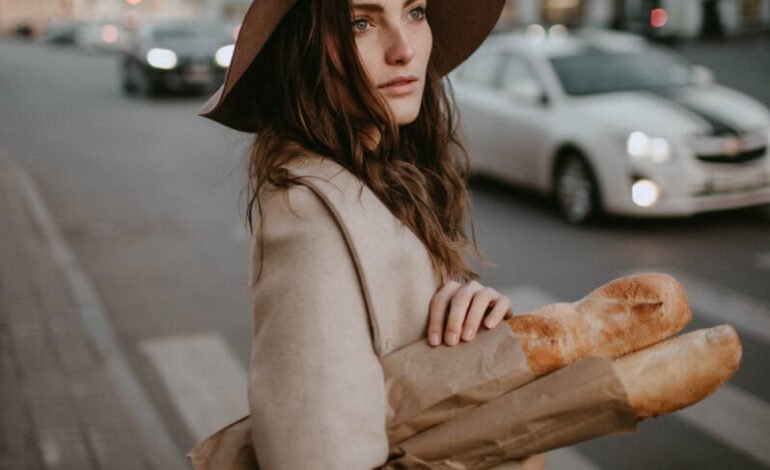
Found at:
(376, 7)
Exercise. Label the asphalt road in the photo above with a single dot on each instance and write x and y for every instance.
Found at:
(148, 195)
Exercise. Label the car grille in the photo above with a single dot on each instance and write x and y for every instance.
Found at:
(196, 61)
(746, 147)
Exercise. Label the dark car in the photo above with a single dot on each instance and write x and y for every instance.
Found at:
(60, 32)
(176, 56)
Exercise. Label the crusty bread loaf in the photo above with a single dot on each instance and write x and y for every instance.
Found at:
(622, 316)
(679, 371)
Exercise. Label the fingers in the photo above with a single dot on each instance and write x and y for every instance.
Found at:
(459, 309)
(438, 308)
(502, 309)
(479, 306)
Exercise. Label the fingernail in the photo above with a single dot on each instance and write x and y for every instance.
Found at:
(451, 338)
(488, 322)
(434, 339)
(468, 332)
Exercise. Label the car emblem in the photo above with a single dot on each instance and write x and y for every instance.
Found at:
(732, 146)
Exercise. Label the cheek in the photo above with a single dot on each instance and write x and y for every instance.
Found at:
(367, 57)
(425, 44)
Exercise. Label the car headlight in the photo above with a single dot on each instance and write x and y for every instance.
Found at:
(645, 193)
(224, 55)
(162, 58)
(643, 147)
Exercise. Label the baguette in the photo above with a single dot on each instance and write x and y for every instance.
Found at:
(589, 399)
(680, 371)
(624, 315)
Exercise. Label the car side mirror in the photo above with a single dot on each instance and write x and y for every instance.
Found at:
(702, 75)
(526, 91)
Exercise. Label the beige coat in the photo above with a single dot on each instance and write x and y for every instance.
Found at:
(343, 284)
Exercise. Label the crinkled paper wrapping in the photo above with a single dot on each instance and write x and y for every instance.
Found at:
(574, 404)
(471, 406)
(427, 385)
(230, 448)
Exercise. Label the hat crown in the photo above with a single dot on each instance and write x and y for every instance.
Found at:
(458, 27)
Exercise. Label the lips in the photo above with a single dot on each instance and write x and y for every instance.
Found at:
(399, 81)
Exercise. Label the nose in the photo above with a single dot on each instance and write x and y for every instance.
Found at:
(399, 49)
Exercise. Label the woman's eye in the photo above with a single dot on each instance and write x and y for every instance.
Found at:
(420, 13)
(360, 25)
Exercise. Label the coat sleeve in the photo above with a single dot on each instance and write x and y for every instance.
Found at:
(316, 388)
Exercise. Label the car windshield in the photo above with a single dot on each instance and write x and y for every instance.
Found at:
(602, 72)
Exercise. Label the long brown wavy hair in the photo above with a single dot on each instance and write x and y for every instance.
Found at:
(414, 170)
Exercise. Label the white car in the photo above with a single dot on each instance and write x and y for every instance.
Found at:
(606, 121)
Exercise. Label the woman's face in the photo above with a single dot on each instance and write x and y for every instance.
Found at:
(394, 43)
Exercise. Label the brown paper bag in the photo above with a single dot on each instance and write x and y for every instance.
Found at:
(574, 404)
(464, 407)
(429, 385)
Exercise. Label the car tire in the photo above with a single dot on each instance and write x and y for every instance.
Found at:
(576, 190)
(145, 85)
(127, 82)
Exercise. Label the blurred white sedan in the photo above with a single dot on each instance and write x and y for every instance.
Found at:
(606, 121)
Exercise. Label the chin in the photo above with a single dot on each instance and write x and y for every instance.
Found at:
(405, 112)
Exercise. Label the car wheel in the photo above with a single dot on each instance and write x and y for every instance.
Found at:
(127, 80)
(575, 190)
(144, 84)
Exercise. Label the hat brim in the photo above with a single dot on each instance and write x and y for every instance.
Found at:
(458, 26)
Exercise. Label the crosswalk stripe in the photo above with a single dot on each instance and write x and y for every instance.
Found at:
(735, 417)
(526, 299)
(204, 379)
(722, 305)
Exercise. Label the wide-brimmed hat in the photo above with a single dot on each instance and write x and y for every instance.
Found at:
(458, 27)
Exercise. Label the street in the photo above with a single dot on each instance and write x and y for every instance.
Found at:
(150, 199)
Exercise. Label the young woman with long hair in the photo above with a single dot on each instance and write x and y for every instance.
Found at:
(358, 210)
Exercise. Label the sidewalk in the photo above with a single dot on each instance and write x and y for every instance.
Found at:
(59, 405)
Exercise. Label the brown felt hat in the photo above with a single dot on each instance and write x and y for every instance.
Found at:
(458, 27)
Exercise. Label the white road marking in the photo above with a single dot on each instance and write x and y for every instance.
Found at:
(204, 379)
(722, 305)
(762, 261)
(154, 435)
(735, 417)
(525, 299)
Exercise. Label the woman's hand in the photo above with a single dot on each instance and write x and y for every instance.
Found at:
(463, 306)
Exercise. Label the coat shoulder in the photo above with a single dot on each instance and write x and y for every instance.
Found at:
(394, 265)
(317, 183)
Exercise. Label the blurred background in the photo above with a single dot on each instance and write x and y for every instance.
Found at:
(606, 137)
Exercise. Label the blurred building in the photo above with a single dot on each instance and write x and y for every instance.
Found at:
(34, 14)
(653, 18)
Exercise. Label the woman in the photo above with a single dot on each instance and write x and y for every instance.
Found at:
(361, 209)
